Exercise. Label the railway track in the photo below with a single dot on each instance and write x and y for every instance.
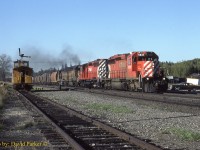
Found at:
(167, 98)
(82, 132)
(180, 98)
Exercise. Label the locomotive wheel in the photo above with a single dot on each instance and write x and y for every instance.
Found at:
(125, 86)
(130, 88)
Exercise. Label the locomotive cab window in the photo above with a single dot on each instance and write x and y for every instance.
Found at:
(149, 58)
(142, 58)
(134, 60)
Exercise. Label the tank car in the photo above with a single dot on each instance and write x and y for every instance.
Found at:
(22, 74)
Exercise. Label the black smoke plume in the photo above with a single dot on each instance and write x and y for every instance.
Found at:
(67, 54)
(41, 60)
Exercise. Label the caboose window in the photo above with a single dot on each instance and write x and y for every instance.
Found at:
(25, 64)
(16, 64)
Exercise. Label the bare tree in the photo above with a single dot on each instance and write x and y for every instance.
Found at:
(5, 65)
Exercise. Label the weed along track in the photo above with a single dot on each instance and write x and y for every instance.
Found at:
(82, 132)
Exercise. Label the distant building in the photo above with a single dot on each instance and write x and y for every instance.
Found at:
(194, 79)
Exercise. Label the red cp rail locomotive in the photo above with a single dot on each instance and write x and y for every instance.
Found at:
(135, 71)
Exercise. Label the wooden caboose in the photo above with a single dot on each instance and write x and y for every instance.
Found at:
(22, 74)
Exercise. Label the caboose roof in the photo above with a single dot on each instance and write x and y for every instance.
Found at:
(21, 63)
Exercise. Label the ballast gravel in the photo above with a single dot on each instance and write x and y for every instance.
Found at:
(167, 128)
(18, 130)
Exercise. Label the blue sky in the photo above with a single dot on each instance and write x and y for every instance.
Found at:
(101, 28)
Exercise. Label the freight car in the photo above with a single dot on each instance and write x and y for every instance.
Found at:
(69, 76)
(22, 74)
(47, 78)
(135, 71)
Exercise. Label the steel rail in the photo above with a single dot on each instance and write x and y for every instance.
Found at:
(121, 134)
(65, 136)
(148, 97)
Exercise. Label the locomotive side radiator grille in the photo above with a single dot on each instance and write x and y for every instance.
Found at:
(102, 69)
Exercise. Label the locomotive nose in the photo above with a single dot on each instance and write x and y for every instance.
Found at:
(148, 69)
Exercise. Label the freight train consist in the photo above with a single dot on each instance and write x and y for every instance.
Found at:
(135, 71)
(22, 74)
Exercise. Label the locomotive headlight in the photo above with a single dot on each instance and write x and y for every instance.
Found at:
(147, 78)
(163, 78)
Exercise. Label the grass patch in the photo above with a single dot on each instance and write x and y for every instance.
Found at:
(109, 107)
(183, 134)
(72, 100)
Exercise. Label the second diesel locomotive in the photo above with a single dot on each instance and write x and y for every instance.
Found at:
(135, 71)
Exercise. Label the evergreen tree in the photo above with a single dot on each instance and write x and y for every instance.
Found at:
(182, 69)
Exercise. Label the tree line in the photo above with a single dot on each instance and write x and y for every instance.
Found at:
(182, 69)
(5, 66)
(63, 67)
